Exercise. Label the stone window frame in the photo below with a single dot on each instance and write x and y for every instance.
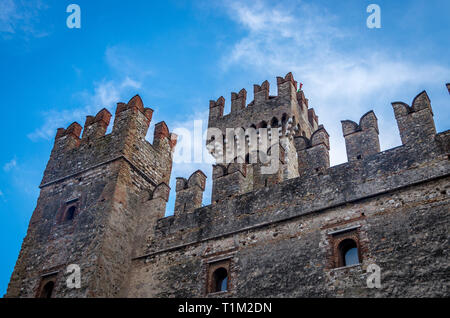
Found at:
(337, 237)
(66, 206)
(212, 266)
(51, 277)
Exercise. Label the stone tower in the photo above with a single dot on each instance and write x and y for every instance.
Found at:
(290, 125)
(103, 200)
(88, 212)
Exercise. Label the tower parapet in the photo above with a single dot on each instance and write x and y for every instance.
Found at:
(95, 190)
(131, 124)
(284, 116)
(264, 109)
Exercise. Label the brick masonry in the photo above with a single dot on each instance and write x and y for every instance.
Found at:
(276, 235)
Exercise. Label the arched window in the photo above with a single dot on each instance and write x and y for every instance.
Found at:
(70, 213)
(263, 124)
(47, 290)
(220, 280)
(348, 253)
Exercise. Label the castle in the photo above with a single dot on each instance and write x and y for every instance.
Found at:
(305, 230)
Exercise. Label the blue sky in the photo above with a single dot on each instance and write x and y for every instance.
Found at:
(180, 54)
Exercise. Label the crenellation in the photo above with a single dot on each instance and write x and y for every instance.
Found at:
(261, 93)
(313, 154)
(216, 110)
(287, 87)
(96, 126)
(415, 123)
(361, 140)
(228, 181)
(238, 100)
(313, 119)
(302, 101)
(189, 193)
(67, 139)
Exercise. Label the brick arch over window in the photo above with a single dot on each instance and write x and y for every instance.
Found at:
(342, 246)
(219, 277)
(68, 212)
(342, 243)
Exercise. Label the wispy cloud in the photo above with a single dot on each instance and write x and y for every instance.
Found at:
(21, 17)
(128, 62)
(10, 165)
(128, 71)
(106, 94)
(190, 153)
(339, 81)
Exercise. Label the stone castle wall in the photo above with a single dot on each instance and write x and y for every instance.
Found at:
(276, 235)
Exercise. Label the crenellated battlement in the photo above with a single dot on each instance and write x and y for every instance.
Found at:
(313, 153)
(95, 127)
(415, 122)
(361, 140)
(189, 193)
(72, 154)
(265, 110)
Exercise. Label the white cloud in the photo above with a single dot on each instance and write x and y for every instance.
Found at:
(18, 16)
(192, 163)
(10, 165)
(8, 16)
(128, 62)
(106, 94)
(340, 82)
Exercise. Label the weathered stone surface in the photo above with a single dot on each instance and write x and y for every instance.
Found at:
(277, 235)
